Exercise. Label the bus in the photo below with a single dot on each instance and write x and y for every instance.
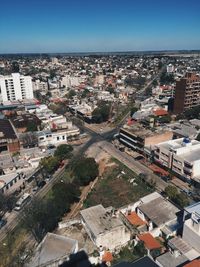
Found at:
(22, 201)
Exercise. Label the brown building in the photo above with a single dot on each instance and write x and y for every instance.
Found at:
(187, 93)
(8, 139)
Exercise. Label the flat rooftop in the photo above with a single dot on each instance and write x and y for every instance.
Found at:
(100, 220)
(159, 211)
(169, 260)
(177, 143)
(193, 208)
(52, 248)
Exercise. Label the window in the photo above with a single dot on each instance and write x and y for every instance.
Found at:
(58, 138)
(63, 137)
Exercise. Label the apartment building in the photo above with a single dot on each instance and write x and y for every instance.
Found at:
(187, 93)
(15, 87)
(181, 156)
(138, 138)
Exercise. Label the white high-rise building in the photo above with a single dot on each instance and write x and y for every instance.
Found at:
(15, 87)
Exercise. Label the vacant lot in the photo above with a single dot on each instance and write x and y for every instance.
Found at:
(116, 187)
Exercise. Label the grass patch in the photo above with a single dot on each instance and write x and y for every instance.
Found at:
(12, 247)
(114, 188)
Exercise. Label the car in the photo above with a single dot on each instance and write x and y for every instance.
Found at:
(35, 189)
(41, 184)
(2, 223)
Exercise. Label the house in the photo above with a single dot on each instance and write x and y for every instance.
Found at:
(8, 139)
(150, 243)
(53, 251)
(162, 216)
(104, 227)
(9, 183)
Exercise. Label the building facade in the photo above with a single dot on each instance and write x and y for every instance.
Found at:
(15, 87)
(187, 93)
(181, 156)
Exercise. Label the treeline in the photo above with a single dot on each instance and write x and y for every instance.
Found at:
(43, 215)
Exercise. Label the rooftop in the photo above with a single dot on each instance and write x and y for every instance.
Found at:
(169, 260)
(52, 248)
(6, 130)
(99, 220)
(134, 219)
(194, 263)
(194, 208)
(142, 262)
(159, 211)
(149, 241)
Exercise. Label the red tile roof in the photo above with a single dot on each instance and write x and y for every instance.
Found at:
(134, 219)
(160, 112)
(107, 257)
(149, 241)
(194, 263)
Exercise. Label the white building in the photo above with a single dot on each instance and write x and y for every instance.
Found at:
(181, 156)
(104, 228)
(191, 228)
(15, 87)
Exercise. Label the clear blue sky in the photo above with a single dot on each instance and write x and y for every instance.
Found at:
(98, 25)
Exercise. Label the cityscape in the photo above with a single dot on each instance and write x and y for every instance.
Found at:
(100, 134)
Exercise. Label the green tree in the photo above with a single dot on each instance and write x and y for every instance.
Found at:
(39, 218)
(71, 94)
(49, 164)
(140, 249)
(31, 127)
(133, 110)
(85, 170)
(63, 151)
(171, 191)
(182, 200)
(101, 113)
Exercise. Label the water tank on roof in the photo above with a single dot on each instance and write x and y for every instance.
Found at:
(186, 141)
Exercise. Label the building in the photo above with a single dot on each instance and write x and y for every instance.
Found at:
(181, 156)
(8, 139)
(191, 227)
(146, 261)
(160, 215)
(187, 93)
(57, 136)
(104, 227)
(138, 138)
(12, 182)
(15, 87)
(53, 251)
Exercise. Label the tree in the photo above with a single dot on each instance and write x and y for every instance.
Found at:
(140, 249)
(71, 94)
(31, 127)
(182, 200)
(101, 113)
(49, 164)
(171, 191)
(133, 110)
(63, 151)
(85, 170)
(85, 93)
(39, 218)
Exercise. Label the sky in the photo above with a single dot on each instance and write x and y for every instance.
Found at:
(58, 26)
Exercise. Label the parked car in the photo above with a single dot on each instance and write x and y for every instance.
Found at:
(41, 184)
(2, 222)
